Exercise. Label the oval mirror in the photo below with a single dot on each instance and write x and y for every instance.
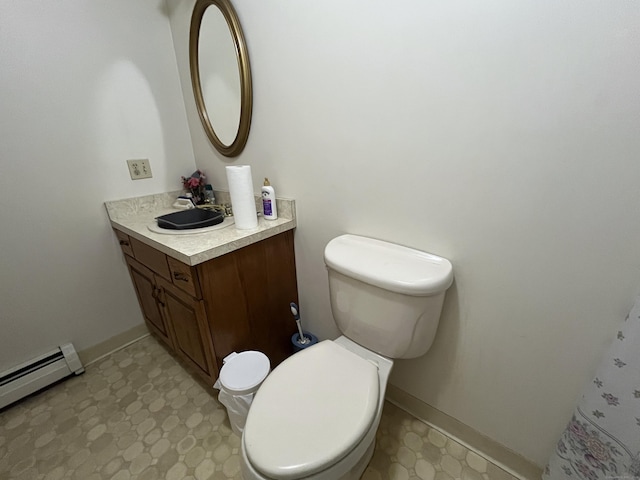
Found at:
(220, 75)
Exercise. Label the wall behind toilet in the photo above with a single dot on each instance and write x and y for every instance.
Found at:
(500, 135)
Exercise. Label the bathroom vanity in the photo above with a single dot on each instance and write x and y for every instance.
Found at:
(206, 295)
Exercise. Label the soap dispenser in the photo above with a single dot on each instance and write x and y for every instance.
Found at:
(269, 210)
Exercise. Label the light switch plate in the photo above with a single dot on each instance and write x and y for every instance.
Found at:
(139, 168)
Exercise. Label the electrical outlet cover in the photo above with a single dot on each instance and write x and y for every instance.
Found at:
(139, 168)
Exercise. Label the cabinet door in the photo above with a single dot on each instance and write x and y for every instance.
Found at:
(188, 323)
(247, 293)
(147, 292)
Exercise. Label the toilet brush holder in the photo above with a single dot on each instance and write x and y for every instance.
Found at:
(298, 345)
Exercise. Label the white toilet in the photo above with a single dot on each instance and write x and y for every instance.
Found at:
(316, 415)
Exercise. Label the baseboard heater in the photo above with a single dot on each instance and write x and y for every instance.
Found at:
(37, 373)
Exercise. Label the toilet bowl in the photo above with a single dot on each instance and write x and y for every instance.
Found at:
(324, 427)
(315, 416)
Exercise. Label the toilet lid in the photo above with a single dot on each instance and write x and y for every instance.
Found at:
(311, 411)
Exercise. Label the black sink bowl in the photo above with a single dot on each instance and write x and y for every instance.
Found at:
(190, 219)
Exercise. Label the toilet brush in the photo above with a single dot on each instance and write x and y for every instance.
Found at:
(302, 340)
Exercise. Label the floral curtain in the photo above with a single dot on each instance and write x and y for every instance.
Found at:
(602, 440)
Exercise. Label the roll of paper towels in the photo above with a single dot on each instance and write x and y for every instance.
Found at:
(242, 199)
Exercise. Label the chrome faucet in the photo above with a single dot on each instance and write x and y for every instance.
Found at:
(224, 208)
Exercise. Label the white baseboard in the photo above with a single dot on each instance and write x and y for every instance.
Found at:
(496, 453)
(98, 352)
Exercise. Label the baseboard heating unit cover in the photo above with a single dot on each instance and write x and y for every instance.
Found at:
(37, 373)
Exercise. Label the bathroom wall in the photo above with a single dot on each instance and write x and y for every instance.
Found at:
(84, 86)
(502, 135)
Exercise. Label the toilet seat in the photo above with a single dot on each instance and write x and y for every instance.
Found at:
(311, 411)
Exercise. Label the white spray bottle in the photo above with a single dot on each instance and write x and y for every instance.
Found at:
(269, 210)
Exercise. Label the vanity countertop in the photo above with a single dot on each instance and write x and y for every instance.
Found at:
(134, 215)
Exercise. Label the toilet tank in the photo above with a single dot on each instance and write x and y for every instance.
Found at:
(386, 297)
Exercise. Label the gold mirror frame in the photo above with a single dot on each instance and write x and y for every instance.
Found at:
(246, 93)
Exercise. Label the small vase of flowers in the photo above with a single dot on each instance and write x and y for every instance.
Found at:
(195, 185)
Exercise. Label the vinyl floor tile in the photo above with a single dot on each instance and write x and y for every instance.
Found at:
(138, 415)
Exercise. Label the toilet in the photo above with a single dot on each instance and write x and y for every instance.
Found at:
(315, 416)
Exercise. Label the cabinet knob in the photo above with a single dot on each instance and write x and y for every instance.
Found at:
(124, 243)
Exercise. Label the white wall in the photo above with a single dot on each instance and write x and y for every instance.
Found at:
(83, 87)
(502, 135)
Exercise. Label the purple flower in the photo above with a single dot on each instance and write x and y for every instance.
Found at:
(591, 460)
(597, 450)
(577, 430)
(585, 471)
(611, 399)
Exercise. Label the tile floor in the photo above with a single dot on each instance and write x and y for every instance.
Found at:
(139, 415)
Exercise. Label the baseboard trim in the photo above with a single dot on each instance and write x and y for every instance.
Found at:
(496, 453)
(101, 350)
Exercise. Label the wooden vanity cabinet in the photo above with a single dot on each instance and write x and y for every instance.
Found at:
(238, 301)
(175, 317)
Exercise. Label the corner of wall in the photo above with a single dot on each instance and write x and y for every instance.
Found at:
(97, 352)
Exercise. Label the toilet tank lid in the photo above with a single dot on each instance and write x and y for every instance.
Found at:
(389, 266)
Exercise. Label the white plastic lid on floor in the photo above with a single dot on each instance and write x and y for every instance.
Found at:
(242, 373)
(311, 411)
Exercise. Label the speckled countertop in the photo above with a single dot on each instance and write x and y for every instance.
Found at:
(134, 215)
